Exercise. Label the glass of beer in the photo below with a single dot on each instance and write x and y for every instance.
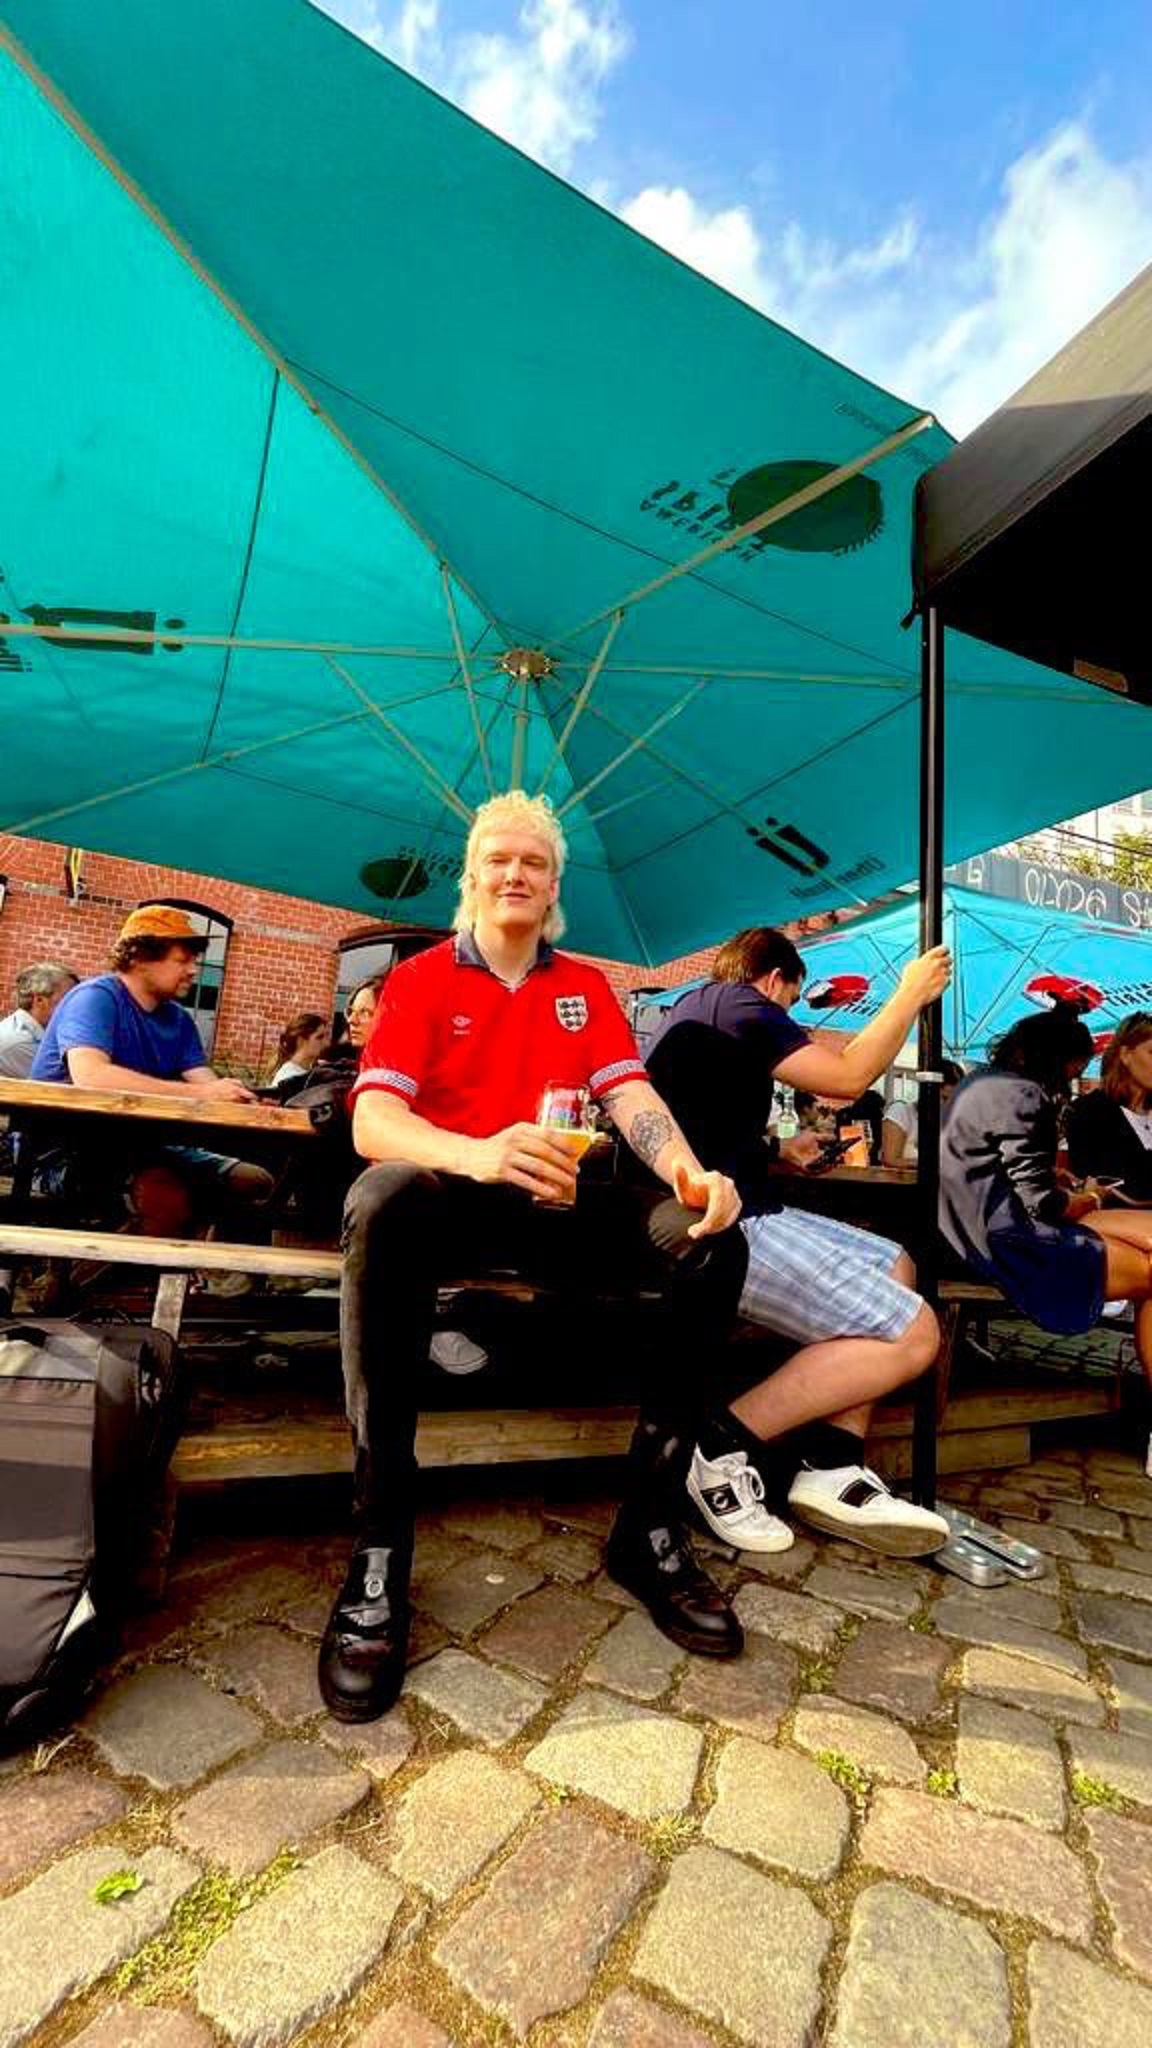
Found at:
(564, 1111)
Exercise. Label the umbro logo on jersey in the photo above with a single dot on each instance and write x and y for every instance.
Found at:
(460, 1025)
(572, 1012)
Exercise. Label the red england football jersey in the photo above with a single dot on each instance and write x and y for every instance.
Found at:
(472, 1055)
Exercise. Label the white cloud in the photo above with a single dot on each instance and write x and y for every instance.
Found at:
(538, 87)
(956, 326)
(955, 323)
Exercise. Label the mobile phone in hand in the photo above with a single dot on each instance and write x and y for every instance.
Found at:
(830, 1154)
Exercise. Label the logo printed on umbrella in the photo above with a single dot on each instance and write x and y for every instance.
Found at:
(1046, 990)
(790, 845)
(572, 1012)
(837, 991)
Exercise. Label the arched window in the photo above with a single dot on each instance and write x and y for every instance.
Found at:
(203, 999)
(376, 950)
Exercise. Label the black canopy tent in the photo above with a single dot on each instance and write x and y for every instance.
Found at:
(1035, 533)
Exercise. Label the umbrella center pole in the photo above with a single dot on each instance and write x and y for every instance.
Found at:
(526, 666)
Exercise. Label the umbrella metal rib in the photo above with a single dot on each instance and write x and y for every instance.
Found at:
(380, 718)
(69, 114)
(820, 488)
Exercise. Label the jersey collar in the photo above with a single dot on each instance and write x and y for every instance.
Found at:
(468, 954)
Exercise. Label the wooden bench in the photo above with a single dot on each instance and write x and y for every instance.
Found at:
(980, 1428)
(466, 1436)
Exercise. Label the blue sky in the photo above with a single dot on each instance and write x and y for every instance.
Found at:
(938, 195)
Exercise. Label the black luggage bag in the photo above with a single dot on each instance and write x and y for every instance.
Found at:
(89, 1417)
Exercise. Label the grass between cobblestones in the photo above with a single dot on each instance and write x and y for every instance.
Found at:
(165, 1965)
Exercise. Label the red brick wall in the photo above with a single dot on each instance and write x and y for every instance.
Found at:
(283, 954)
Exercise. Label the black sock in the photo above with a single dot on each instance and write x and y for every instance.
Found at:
(825, 1446)
(776, 1459)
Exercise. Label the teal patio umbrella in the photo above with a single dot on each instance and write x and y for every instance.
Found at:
(356, 467)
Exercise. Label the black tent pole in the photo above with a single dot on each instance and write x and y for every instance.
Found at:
(931, 1041)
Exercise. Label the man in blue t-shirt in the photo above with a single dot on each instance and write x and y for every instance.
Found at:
(128, 1030)
(844, 1296)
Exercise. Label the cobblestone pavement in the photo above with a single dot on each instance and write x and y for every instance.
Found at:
(913, 1813)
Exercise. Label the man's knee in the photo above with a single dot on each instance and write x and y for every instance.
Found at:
(248, 1183)
(920, 1342)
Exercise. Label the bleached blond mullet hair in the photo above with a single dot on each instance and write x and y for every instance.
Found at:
(515, 811)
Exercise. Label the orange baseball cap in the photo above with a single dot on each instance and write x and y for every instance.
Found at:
(162, 921)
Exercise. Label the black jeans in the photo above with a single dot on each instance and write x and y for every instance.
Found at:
(407, 1230)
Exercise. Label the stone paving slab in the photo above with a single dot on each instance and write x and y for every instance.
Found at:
(1122, 1850)
(266, 1803)
(40, 1815)
(379, 1747)
(628, 2021)
(1132, 1685)
(455, 1817)
(275, 1670)
(166, 1725)
(749, 1694)
(918, 1975)
(1129, 1557)
(876, 1745)
(545, 1632)
(41, 1970)
(565, 1554)
(1134, 1501)
(1008, 1762)
(1054, 1538)
(530, 1944)
(1123, 1761)
(489, 1705)
(298, 1951)
(247, 1593)
(635, 1658)
(897, 1671)
(1037, 1688)
(1098, 1578)
(778, 1808)
(973, 1618)
(1077, 2004)
(738, 1948)
(1000, 1865)
(1037, 1603)
(1087, 1520)
(643, 1763)
(144, 2026)
(781, 1564)
(473, 1591)
(788, 1618)
(869, 1593)
(402, 2026)
(495, 1523)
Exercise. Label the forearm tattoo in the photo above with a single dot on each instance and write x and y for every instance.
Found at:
(649, 1133)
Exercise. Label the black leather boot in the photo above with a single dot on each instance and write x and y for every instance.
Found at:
(365, 1646)
(650, 1554)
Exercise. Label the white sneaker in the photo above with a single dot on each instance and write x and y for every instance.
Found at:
(452, 1351)
(729, 1493)
(851, 1502)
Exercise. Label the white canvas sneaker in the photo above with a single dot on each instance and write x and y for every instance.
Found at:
(453, 1352)
(851, 1502)
(729, 1493)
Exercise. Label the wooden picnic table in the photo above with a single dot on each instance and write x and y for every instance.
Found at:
(32, 1101)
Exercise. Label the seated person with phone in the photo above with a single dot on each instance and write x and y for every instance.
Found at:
(844, 1296)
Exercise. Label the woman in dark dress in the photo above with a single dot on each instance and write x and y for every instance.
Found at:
(1110, 1131)
(1054, 1251)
